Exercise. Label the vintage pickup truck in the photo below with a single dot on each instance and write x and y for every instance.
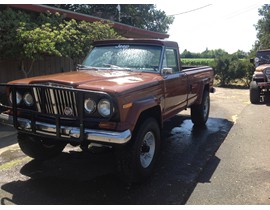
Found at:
(119, 97)
(260, 84)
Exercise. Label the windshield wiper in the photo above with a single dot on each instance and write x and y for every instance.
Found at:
(106, 66)
(115, 67)
(112, 66)
(82, 67)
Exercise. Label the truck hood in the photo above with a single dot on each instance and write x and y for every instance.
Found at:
(99, 80)
(262, 67)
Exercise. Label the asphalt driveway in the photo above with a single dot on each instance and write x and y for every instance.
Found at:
(227, 162)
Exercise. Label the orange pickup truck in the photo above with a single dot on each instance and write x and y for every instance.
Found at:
(118, 97)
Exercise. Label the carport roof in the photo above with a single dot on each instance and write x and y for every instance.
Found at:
(123, 29)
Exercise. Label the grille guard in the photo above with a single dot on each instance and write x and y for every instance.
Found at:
(56, 130)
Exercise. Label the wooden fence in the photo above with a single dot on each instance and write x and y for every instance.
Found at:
(10, 69)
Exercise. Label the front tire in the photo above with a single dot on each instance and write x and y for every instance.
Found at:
(254, 93)
(137, 160)
(200, 112)
(39, 148)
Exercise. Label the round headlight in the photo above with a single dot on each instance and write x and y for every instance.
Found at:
(104, 107)
(18, 97)
(257, 59)
(267, 71)
(28, 99)
(89, 105)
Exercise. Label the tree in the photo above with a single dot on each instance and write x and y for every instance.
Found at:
(223, 69)
(49, 34)
(205, 54)
(186, 54)
(144, 16)
(229, 68)
(263, 28)
(240, 54)
(9, 23)
(249, 69)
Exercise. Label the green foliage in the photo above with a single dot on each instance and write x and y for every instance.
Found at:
(263, 28)
(198, 61)
(205, 54)
(247, 68)
(53, 35)
(10, 21)
(222, 69)
(48, 34)
(229, 68)
(144, 16)
(240, 54)
(37, 40)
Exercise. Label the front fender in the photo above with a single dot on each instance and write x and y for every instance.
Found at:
(258, 76)
(138, 107)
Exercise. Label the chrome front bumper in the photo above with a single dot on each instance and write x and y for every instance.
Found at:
(70, 132)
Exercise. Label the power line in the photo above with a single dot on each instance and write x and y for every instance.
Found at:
(240, 12)
(191, 10)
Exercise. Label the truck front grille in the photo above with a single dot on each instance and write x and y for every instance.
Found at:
(55, 101)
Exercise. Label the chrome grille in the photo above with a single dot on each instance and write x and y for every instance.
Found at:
(55, 101)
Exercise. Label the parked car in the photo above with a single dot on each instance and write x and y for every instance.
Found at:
(260, 84)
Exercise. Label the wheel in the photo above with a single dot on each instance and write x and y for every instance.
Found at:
(136, 161)
(39, 148)
(200, 112)
(254, 93)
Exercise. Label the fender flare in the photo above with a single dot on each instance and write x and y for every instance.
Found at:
(203, 85)
(140, 106)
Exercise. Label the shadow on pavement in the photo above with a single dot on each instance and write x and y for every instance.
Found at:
(86, 178)
(8, 135)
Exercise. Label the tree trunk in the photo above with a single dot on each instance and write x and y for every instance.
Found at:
(24, 70)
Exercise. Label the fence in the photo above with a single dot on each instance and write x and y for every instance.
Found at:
(11, 69)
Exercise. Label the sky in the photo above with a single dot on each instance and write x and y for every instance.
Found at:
(213, 24)
(199, 24)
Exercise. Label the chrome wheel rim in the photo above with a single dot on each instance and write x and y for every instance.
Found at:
(147, 150)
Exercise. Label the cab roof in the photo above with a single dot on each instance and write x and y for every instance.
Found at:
(137, 41)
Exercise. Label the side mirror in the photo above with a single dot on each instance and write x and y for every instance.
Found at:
(167, 70)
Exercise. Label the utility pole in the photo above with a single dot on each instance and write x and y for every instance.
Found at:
(119, 12)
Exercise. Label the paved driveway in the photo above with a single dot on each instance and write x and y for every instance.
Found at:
(223, 160)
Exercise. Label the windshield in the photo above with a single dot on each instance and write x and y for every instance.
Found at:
(262, 57)
(126, 57)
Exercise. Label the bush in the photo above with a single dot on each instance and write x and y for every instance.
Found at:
(48, 34)
(228, 68)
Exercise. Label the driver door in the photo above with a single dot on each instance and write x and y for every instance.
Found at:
(175, 84)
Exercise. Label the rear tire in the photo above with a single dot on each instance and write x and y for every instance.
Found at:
(137, 160)
(200, 112)
(39, 148)
(254, 93)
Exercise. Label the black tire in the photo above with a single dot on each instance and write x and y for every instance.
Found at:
(137, 160)
(39, 148)
(200, 112)
(254, 93)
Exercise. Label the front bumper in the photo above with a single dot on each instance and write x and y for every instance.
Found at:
(264, 84)
(74, 133)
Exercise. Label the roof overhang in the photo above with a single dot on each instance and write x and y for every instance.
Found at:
(123, 29)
